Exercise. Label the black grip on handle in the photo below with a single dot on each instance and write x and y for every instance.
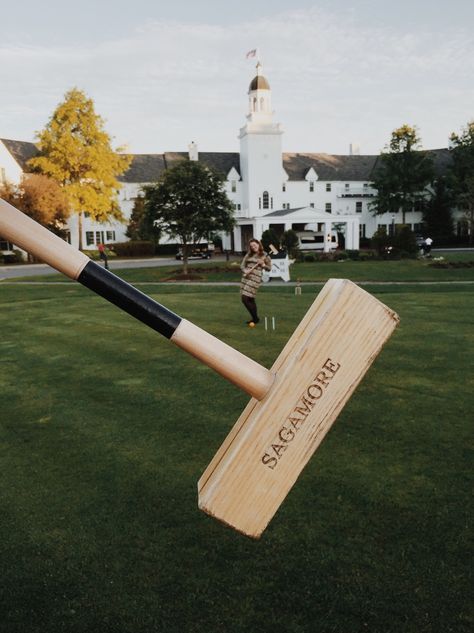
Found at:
(129, 299)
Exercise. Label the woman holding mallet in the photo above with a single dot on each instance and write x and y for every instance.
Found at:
(252, 266)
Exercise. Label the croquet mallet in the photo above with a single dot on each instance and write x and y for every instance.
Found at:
(293, 405)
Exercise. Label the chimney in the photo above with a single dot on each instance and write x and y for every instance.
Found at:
(193, 151)
(354, 149)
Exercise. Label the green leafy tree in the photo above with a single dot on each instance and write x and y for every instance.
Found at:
(188, 203)
(137, 228)
(462, 174)
(402, 175)
(76, 152)
(437, 216)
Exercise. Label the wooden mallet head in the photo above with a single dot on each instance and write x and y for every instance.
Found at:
(293, 405)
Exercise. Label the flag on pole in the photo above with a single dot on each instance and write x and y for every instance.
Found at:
(252, 53)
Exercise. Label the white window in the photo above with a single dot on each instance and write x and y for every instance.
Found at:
(328, 186)
(110, 235)
(283, 187)
(266, 199)
(328, 207)
(361, 230)
(233, 186)
(311, 185)
(359, 207)
(311, 204)
(89, 238)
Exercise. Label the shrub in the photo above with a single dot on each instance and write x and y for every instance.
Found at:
(353, 254)
(405, 240)
(270, 237)
(290, 242)
(380, 241)
(134, 248)
(167, 249)
(367, 254)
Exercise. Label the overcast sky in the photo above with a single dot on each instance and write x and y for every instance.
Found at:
(162, 74)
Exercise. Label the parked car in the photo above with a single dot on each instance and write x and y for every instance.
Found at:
(197, 251)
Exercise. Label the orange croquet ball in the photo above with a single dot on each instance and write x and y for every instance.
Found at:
(251, 324)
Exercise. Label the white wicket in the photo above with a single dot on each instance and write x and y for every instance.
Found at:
(267, 323)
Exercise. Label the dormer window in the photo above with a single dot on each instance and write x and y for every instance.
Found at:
(283, 187)
(233, 186)
(311, 185)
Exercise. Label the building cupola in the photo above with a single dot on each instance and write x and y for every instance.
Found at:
(260, 103)
(259, 82)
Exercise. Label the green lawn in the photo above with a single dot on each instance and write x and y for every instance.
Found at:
(105, 428)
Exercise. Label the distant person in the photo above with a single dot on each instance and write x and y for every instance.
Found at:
(252, 266)
(427, 246)
(103, 255)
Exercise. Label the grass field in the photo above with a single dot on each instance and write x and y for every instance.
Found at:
(105, 429)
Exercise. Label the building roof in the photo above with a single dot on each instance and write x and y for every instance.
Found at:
(280, 212)
(329, 166)
(144, 168)
(21, 151)
(147, 168)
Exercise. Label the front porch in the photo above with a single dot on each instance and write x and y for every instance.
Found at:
(296, 219)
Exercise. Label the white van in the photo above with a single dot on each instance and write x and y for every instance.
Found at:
(314, 240)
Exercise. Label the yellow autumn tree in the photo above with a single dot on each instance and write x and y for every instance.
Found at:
(75, 150)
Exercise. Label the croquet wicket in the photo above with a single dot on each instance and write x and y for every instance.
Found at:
(270, 321)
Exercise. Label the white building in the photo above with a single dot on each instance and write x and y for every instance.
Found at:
(269, 188)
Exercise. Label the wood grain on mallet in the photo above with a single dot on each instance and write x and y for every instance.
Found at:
(316, 373)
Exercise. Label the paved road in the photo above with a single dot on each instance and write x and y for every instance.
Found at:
(32, 270)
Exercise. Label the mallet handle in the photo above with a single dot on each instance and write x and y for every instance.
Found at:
(24, 232)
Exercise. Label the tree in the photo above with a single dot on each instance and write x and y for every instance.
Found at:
(188, 203)
(41, 198)
(75, 151)
(437, 216)
(462, 173)
(403, 174)
(137, 229)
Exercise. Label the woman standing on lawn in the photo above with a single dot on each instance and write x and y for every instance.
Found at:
(252, 268)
